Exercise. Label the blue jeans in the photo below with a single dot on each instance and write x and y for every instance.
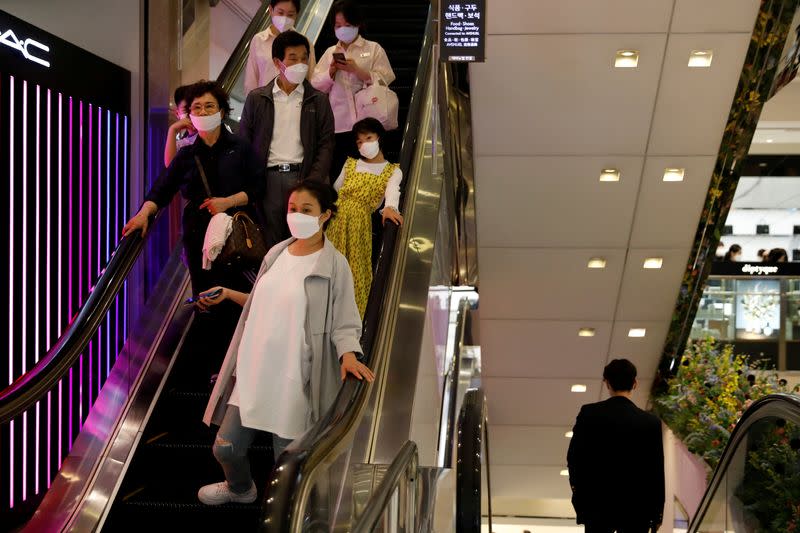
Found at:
(230, 449)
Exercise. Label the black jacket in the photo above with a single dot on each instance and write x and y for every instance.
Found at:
(616, 464)
(316, 128)
(231, 166)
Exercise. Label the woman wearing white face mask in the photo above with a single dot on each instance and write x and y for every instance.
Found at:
(362, 185)
(234, 173)
(345, 69)
(297, 339)
(260, 70)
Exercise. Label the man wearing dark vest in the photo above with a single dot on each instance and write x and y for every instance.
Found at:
(616, 460)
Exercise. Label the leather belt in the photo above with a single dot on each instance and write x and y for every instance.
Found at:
(285, 167)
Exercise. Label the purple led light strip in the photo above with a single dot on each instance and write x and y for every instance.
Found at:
(108, 231)
(11, 180)
(99, 242)
(80, 258)
(24, 329)
(125, 207)
(60, 276)
(90, 368)
(116, 228)
(36, 279)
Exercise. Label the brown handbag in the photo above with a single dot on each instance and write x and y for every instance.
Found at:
(245, 246)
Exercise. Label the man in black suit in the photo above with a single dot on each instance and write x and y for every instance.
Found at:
(616, 460)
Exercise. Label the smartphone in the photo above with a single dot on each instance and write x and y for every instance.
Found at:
(339, 57)
(194, 299)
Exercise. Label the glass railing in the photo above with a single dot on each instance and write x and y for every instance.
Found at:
(756, 486)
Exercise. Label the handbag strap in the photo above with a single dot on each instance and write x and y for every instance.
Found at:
(203, 176)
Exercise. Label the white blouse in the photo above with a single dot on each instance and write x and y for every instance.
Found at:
(392, 194)
(368, 55)
(274, 362)
(260, 69)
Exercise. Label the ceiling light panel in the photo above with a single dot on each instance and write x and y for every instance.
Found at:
(637, 332)
(700, 58)
(564, 473)
(586, 332)
(578, 388)
(653, 262)
(596, 262)
(568, 434)
(674, 174)
(626, 59)
(609, 174)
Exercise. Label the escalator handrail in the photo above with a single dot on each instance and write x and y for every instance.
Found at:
(786, 406)
(452, 386)
(473, 438)
(32, 386)
(405, 462)
(293, 468)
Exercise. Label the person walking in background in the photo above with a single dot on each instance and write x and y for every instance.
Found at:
(777, 255)
(362, 185)
(347, 67)
(616, 460)
(734, 253)
(290, 125)
(297, 339)
(260, 69)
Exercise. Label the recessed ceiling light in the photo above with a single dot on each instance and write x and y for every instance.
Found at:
(626, 59)
(586, 332)
(564, 473)
(578, 388)
(637, 332)
(701, 58)
(653, 262)
(597, 262)
(762, 165)
(568, 434)
(609, 174)
(770, 140)
(674, 174)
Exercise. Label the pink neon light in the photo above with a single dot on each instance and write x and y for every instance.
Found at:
(59, 323)
(90, 368)
(108, 232)
(71, 234)
(120, 342)
(48, 308)
(125, 217)
(36, 283)
(11, 285)
(24, 329)
(80, 256)
(99, 240)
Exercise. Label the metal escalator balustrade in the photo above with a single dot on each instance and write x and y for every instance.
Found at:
(756, 485)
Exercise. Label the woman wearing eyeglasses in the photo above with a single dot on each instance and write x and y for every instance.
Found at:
(235, 176)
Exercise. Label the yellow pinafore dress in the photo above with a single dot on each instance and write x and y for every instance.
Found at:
(351, 229)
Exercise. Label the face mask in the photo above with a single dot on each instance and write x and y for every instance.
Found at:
(347, 34)
(296, 73)
(283, 23)
(302, 226)
(370, 149)
(207, 122)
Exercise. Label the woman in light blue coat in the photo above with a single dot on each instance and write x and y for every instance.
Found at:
(297, 339)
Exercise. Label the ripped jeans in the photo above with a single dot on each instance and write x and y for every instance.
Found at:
(230, 449)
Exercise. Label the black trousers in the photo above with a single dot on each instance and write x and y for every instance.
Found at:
(275, 204)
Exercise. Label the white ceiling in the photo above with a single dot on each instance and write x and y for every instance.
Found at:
(550, 111)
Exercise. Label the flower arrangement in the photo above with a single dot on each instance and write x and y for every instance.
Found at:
(702, 405)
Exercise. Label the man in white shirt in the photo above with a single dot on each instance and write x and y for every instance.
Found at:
(290, 124)
(260, 69)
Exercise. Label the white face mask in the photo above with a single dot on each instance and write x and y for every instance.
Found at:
(283, 23)
(296, 73)
(302, 226)
(369, 149)
(207, 122)
(346, 34)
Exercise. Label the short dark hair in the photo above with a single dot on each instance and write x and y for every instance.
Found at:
(776, 254)
(620, 374)
(350, 10)
(202, 87)
(370, 125)
(323, 192)
(180, 94)
(287, 39)
(273, 3)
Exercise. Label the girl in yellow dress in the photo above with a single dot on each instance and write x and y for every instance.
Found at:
(362, 185)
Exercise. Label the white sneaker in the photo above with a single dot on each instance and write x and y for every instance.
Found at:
(219, 493)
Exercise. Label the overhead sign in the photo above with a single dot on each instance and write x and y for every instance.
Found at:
(27, 47)
(732, 268)
(462, 30)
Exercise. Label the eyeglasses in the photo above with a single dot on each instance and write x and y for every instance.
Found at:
(209, 107)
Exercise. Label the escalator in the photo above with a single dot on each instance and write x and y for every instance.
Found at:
(756, 485)
(153, 453)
